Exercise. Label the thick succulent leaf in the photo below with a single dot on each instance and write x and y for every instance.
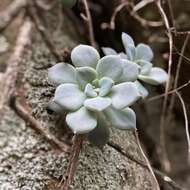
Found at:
(100, 135)
(155, 77)
(131, 51)
(69, 96)
(89, 91)
(84, 55)
(129, 45)
(127, 40)
(55, 107)
(142, 90)
(108, 51)
(105, 85)
(85, 75)
(130, 71)
(124, 95)
(145, 66)
(110, 66)
(121, 119)
(144, 52)
(82, 121)
(123, 55)
(62, 73)
(97, 104)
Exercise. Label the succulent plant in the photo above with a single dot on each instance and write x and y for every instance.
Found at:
(138, 59)
(95, 93)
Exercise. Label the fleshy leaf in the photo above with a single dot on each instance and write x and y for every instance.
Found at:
(144, 52)
(55, 107)
(127, 40)
(155, 77)
(85, 75)
(130, 71)
(142, 90)
(110, 66)
(69, 96)
(122, 119)
(100, 135)
(124, 95)
(84, 55)
(145, 66)
(131, 51)
(105, 85)
(62, 73)
(89, 91)
(82, 121)
(123, 55)
(97, 104)
(108, 51)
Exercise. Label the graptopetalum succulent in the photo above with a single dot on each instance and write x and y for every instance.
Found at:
(96, 92)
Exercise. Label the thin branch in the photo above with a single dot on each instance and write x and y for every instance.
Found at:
(172, 15)
(169, 93)
(146, 159)
(34, 124)
(182, 32)
(73, 161)
(133, 13)
(11, 12)
(43, 31)
(186, 124)
(163, 176)
(166, 162)
(142, 4)
(90, 24)
(9, 84)
(178, 72)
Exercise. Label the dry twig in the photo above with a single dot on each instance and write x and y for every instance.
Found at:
(186, 124)
(177, 73)
(133, 13)
(34, 124)
(166, 162)
(77, 145)
(90, 24)
(170, 92)
(11, 12)
(43, 31)
(161, 175)
(146, 159)
(8, 86)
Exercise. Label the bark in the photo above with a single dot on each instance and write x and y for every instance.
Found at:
(28, 161)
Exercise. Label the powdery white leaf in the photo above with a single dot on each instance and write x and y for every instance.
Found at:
(145, 66)
(127, 40)
(69, 96)
(55, 107)
(144, 52)
(121, 119)
(89, 91)
(142, 90)
(130, 71)
(124, 95)
(85, 75)
(84, 55)
(62, 73)
(81, 121)
(105, 85)
(97, 104)
(108, 51)
(110, 66)
(155, 77)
